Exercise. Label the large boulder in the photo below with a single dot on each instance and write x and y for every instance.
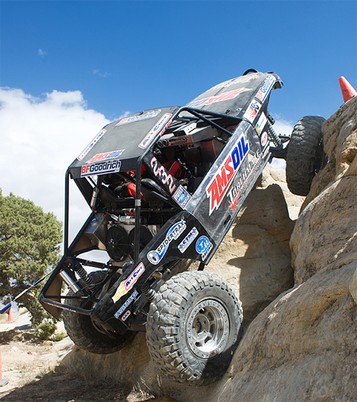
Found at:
(303, 345)
(254, 258)
(300, 348)
(324, 237)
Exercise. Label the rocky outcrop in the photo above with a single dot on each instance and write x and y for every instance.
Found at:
(254, 258)
(299, 298)
(324, 238)
(303, 345)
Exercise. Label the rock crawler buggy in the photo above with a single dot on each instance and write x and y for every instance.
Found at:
(164, 186)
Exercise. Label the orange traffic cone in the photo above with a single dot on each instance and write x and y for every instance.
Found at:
(347, 89)
(10, 315)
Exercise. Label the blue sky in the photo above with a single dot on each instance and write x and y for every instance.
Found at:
(134, 55)
(67, 68)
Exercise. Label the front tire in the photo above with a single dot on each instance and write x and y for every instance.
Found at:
(192, 327)
(305, 156)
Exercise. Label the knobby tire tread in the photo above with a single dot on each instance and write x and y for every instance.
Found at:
(303, 154)
(83, 333)
(163, 327)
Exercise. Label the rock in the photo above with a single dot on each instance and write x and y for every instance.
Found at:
(132, 369)
(353, 286)
(304, 342)
(325, 235)
(300, 347)
(340, 137)
(255, 254)
(340, 147)
(327, 224)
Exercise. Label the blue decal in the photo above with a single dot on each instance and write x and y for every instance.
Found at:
(203, 245)
(155, 256)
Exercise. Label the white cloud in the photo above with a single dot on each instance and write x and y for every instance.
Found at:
(282, 126)
(99, 73)
(40, 139)
(41, 53)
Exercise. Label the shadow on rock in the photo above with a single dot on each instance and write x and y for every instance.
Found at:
(58, 386)
(262, 236)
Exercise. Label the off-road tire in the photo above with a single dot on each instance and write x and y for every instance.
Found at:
(305, 156)
(83, 332)
(192, 327)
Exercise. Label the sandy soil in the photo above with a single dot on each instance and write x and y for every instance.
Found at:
(33, 372)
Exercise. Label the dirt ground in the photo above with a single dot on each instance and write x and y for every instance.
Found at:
(33, 372)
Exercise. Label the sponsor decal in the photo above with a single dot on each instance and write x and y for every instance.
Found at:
(91, 144)
(259, 126)
(181, 196)
(218, 98)
(252, 110)
(265, 88)
(246, 178)
(240, 184)
(203, 246)
(188, 240)
(120, 292)
(126, 304)
(218, 187)
(129, 282)
(111, 166)
(164, 176)
(175, 231)
(105, 156)
(141, 116)
(158, 129)
(126, 315)
(264, 139)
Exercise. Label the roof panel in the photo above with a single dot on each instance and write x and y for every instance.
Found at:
(119, 144)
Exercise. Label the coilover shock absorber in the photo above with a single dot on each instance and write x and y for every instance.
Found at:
(274, 137)
(82, 273)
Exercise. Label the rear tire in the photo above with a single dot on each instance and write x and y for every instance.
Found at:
(192, 327)
(84, 333)
(305, 156)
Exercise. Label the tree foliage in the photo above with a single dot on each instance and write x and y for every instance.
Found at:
(29, 247)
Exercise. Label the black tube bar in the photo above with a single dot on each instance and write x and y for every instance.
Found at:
(199, 114)
(66, 214)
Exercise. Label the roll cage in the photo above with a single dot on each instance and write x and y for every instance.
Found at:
(173, 130)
